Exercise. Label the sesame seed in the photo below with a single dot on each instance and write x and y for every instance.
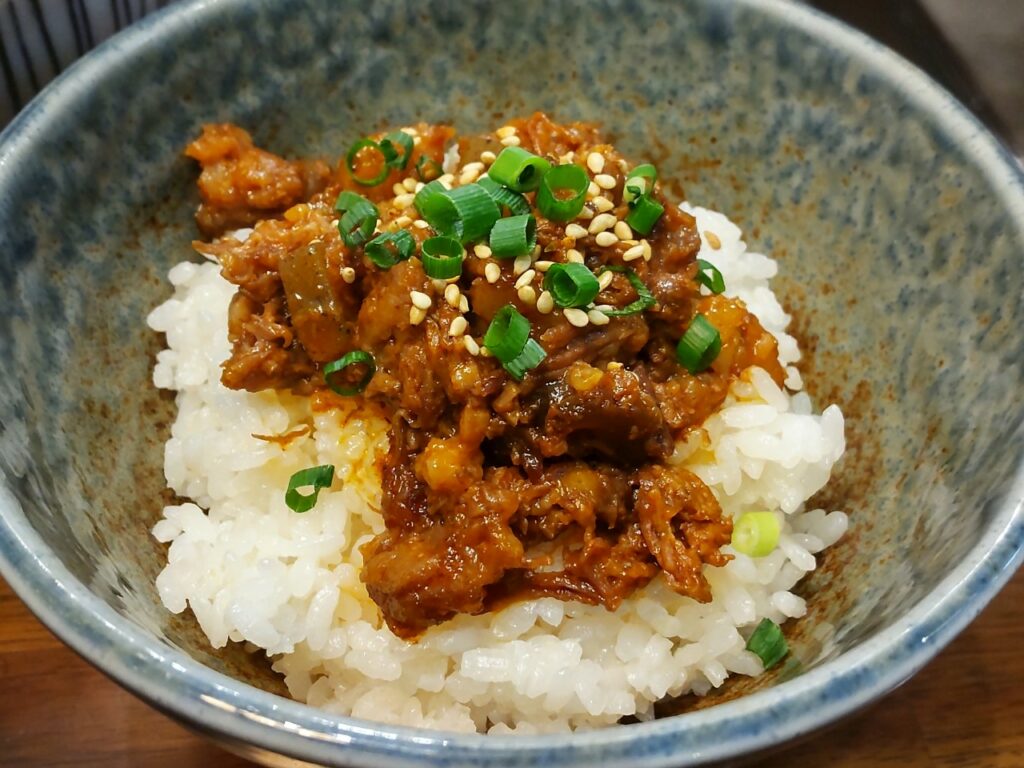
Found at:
(398, 189)
(602, 204)
(585, 213)
(601, 222)
(471, 346)
(505, 131)
(410, 130)
(521, 264)
(420, 224)
(535, 253)
(647, 250)
(403, 221)
(473, 167)
(451, 295)
(614, 365)
(595, 162)
(409, 184)
(488, 157)
(404, 201)
(575, 231)
(439, 285)
(527, 294)
(597, 318)
(605, 279)
(568, 157)
(446, 178)
(633, 253)
(574, 256)
(526, 278)
(419, 185)
(576, 317)
(348, 275)
(712, 239)
(458, 326)
(593, 190)
(605, 239)
(605, 181)
(542, 266)
(492, 272)
(416, 141)
(604, 307)
(420, 299)
(482, 251)
(468, 175)
(545, 302)
(463, 304)
(485, 352)
(622, 230)
(416, 315)
(510, 141)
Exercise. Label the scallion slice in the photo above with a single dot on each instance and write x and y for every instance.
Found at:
(699, 346)
(397, 149)
(517, 169)
(442, 257)
(644, 214)
(516, 204)
(388, 249)
(571, 285)
(427, 168)
(639, 182)
(507, 334)
(514, 236)
(436, 207)
(533, 354)
(562, 192)
(709, 276)
(644, 301)
(358, 219)
(350, 162)
(475, 212)
(318, 477)
(355, 357)
(768, 643)
(755, 534)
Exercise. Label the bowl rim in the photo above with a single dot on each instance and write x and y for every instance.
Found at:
(221, 706)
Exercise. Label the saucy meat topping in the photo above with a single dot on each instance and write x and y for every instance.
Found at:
(495, 488)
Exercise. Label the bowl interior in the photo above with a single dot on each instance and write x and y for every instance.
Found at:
(898, 257)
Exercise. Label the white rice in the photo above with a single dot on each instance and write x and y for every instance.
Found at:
(253, 571)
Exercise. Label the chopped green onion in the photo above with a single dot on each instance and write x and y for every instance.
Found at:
(644, 301)
(388, 249)
(639, 182)
(514, 236)
(644, 214)
(317, 477)
(755, 534)
(768, 644)
(533, 354)
(505, 197)
(390, 146)
(475, 212)
(355, 357)
(517, 169)
(442, 257)
(350, 162)
(562, 192)
(571, 285)
(709, 276)
(507, 334)
(427, 168)
(358, 220)
(699, 346)
(436, 207)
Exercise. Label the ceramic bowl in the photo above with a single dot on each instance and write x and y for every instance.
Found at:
(897, 219)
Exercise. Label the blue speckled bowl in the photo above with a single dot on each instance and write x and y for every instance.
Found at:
(898, 220)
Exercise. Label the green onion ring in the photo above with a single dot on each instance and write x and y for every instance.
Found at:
(359, 219)
(350, 159)
(355, 357)
(517, 169)
(389, 149)
(647, 175)
(533, 354)
(514, 236)
(563, 178)
(388, 249)
(427, 168)
(755, 534)
(709, 276)
(644, 301)
(436, 207)
(516, 204)
(699, 346)
(644, 214)
(319, 477)
(768, 643)
(442, 257)
(571, 285)
(507, 334)
(475, 212)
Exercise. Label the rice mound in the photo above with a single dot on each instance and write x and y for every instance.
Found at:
(253, 571)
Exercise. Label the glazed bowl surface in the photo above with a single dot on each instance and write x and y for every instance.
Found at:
(897, 219)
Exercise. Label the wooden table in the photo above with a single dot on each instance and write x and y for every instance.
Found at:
(965, 709)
